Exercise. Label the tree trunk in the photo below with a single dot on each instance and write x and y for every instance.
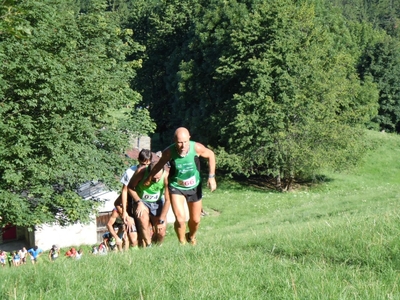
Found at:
(278, 183)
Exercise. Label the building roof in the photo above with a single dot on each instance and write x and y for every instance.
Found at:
(91, 188)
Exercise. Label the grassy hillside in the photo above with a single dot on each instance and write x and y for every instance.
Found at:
(337, 240)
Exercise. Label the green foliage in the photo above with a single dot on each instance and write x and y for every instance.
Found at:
(375, 25)
(163, 28)
(276, 87)
(382, 61)
(58, 85)
(273, 87)
(11, 21)
(384, 14)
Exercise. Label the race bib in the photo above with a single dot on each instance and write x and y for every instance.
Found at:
(187, 182)
(150, 197)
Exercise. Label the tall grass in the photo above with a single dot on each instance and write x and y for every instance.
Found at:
(336, 240)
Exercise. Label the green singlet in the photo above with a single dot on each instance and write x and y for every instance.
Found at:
(154, 191)
(186, 175)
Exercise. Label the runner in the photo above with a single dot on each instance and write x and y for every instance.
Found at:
(150, 206)
(184, 181)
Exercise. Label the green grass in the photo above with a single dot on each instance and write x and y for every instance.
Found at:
(337, 240)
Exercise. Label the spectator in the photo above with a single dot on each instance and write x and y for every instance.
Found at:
(16, 259)
(79, 254)
(10, 258)
(23, 253)
(3, 258)
(54, 253)
(95, 250)
(35, 253)
(73, 252)
(102, 249)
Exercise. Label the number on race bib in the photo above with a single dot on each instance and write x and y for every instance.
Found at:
(187, 182)
(150, 197)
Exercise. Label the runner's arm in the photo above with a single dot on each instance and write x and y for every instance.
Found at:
(167, 199)
(204, 152)
(165, 158)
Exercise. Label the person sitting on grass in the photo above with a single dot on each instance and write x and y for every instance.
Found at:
(68, 254)
(79, 254)
(54, 253)
(95, 250)
(102, 249)
(71, 253)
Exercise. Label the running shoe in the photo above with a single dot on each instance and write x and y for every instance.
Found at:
(189, 240)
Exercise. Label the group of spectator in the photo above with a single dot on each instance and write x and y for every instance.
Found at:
(17, 258)
(20, 257)
(14, 258)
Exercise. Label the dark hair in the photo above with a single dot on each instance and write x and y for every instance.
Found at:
(145, 154)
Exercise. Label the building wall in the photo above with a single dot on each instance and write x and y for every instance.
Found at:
(141, 142)
(73, 235)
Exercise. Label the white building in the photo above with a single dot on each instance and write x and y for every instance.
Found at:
(77, 234)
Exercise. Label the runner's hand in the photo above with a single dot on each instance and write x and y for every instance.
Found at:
(139, 209)
(212, 184)
(160, 227)
(125, 217)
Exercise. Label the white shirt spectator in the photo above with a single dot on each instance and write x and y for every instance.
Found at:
(128, 175)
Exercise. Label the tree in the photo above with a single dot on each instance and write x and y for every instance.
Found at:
(272, 86)
(61, 86)
(10, 20)
(163, 28)
(374, 25)
(275, 87)
(383, 14)
(381, 60)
